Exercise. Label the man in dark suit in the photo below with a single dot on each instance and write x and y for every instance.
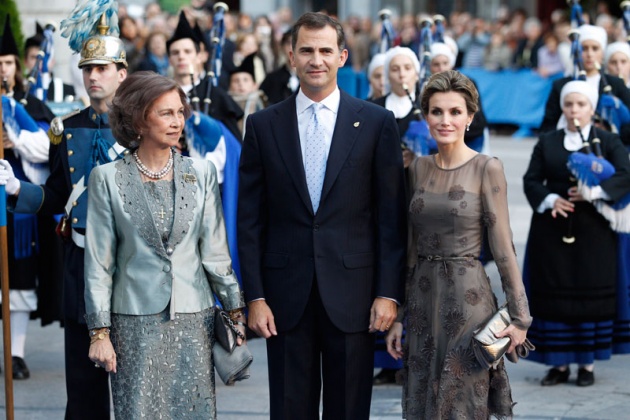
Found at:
(322, 232)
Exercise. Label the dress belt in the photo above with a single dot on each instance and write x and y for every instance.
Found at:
(438, 258)
(441, 258)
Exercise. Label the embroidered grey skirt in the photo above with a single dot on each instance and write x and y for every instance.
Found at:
(164, 368)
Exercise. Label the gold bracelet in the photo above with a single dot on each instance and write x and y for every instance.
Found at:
(98, 334)
(236, 313)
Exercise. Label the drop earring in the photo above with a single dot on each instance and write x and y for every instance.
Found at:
(468, 127)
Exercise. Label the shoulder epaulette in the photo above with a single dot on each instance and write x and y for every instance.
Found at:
(56, 127)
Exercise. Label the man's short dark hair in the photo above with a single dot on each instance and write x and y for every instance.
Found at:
(312, 20)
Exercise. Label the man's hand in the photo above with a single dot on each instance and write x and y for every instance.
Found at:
(382, 314)
(260, 319)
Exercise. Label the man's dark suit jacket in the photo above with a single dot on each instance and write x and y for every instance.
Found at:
(553, 110)
(354, 246)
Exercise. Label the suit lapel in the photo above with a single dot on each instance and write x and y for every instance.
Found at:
(285, 131)
(347, 129)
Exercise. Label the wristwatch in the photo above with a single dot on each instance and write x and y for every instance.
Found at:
(98, 334)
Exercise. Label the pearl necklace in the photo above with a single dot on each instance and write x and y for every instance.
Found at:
(149, 173)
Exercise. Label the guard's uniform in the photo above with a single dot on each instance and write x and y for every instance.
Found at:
(80, 146)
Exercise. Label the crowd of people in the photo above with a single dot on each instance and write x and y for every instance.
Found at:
(336, 222)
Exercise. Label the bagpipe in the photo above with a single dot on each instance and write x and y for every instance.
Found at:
(612, 111)
(424, 52)
(38, 80)
(590, 168)
(588, 165)
(206, 135)
(203, 133)
(576, 55)
(576, 13)
(15, 117)
(387, 30)
(417, 138)
(625, 8)
(438, 34)
(217, 39)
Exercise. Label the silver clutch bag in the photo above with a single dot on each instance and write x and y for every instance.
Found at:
(489, 349)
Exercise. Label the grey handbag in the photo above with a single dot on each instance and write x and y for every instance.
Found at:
(230, 360)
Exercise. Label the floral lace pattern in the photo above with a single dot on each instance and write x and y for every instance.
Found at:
(448, 297)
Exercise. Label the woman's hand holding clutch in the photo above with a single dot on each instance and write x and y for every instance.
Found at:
(517, 336)
(394, 340)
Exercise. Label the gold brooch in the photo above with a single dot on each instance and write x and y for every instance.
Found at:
(190, 178)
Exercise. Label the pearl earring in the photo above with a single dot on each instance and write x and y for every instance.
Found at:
(468, 127)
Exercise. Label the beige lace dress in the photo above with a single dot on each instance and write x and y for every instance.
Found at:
(449, 294)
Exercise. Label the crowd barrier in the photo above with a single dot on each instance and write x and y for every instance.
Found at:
(515, 97)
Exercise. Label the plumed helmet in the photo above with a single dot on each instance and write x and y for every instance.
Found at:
(103, 48)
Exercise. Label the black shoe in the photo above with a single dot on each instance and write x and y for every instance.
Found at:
(20, 370)
(585, 378)
(385, 376)
(555, 376)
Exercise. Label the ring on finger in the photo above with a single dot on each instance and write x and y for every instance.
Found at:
(96, 365)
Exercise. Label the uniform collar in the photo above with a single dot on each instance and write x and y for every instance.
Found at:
(97, 118)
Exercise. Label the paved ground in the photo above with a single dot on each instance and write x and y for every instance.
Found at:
(43, 396)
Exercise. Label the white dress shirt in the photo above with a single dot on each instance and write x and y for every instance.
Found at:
(327, 117)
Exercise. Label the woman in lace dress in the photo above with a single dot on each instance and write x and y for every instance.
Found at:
(454, 194)
(155, 254)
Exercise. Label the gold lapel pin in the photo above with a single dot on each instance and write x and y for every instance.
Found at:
(190, 178)
(356, 124)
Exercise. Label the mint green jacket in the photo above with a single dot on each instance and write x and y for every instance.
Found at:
(129, 271)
